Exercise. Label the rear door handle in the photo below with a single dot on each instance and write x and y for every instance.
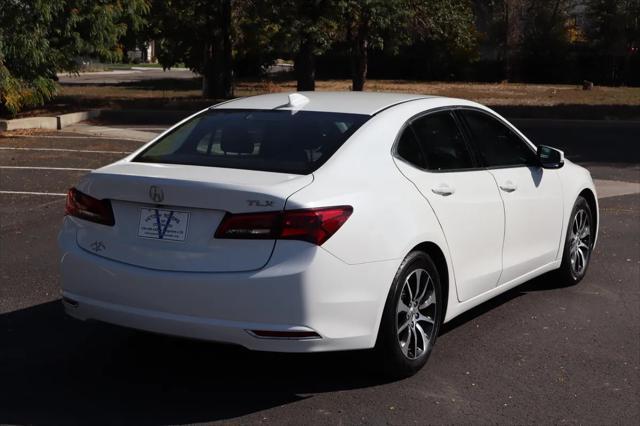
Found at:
(443, 189)
(508, 186)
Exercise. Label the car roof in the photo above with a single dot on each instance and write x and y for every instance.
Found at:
(367, 103)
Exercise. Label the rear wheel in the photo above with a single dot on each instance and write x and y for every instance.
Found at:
(411, 318)
(578, 244)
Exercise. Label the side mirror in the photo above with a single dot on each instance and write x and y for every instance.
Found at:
(550, 158)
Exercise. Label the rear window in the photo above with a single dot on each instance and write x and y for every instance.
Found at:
(269, 140)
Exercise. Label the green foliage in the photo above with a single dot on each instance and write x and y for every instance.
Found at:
(16, 94)
(39, 38)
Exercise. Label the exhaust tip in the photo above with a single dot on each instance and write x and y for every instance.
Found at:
(286, 335)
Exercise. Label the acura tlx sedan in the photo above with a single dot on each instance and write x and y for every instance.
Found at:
(323, 221)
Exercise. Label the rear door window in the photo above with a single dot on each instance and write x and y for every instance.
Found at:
(269, 140)
(442, 142)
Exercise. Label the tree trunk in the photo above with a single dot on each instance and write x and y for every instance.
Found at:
(217, 81)
(305, 67)
(359, 61)
(514, 11)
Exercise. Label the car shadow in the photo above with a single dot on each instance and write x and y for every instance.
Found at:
(54, 369)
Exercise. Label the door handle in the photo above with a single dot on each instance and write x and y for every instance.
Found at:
(508, 186)
(443, 189)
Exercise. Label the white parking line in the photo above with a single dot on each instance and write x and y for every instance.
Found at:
(45, 168)
(64, 150)
(72, 137)
(56, 194)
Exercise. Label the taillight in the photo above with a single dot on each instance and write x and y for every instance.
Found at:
(313, 225)
(89, 208)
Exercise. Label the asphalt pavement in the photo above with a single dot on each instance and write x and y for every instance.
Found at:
(541, 353)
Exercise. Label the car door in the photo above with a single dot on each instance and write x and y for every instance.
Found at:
(532, 195)
(433, 154)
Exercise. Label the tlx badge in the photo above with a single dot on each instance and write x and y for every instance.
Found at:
(259, 203)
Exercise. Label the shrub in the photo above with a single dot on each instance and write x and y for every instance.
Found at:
(17, 94)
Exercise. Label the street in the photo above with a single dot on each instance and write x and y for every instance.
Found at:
(541, 353)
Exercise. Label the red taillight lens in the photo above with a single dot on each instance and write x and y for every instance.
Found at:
(313, 225)
(89, 208)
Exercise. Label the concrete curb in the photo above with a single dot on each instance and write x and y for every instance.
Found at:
(29, 123)
(52, 123)
(65, 120)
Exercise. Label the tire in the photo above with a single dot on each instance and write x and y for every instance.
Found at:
(578, 244)
(407, 330)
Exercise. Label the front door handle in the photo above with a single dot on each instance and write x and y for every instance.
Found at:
(508, 186)
(443, 189)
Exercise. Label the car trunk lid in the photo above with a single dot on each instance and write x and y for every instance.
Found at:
(166, 215)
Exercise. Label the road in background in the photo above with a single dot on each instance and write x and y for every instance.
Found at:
(125, 76)
(540, 353)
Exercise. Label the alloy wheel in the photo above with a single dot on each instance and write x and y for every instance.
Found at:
(416, 313)
(580, 242)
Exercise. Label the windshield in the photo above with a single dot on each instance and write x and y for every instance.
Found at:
(269, 140)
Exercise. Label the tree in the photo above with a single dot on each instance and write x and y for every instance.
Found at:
(545, 40)
(614, 33)
(383, 24)
(532, 37)
(365, 23)
(301, 29)
(197, 33)
(39, 38)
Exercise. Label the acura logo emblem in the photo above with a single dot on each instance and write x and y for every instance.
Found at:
(156, 194)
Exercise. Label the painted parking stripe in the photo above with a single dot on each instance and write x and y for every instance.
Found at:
(55, 194)
(64, 150)
(71, 137)
(73, 169)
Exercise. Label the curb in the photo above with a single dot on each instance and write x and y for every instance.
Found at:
(51, 123)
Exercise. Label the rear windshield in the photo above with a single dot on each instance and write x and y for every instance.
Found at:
(270, 140)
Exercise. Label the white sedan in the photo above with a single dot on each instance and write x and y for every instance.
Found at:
(323, 221)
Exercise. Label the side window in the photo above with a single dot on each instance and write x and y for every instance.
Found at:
(409, 149)
(442, 142)
(498, 145)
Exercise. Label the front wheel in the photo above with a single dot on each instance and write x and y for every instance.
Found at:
(578, 244)
(411, 318)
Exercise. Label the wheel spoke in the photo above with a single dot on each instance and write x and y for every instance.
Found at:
(425, 319)
(586, 232)
(415, 343)
(404, 346)
(408, 287)
(418, 275)
(423, 336)
(582, 259)
(403, 326)
(430, 301)
(423, 290)
(402, 307)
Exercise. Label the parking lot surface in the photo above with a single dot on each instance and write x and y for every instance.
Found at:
(541, 353)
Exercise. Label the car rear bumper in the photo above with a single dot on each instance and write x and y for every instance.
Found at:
(303, 288)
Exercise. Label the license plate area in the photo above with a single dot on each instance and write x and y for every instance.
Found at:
(162, 224)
